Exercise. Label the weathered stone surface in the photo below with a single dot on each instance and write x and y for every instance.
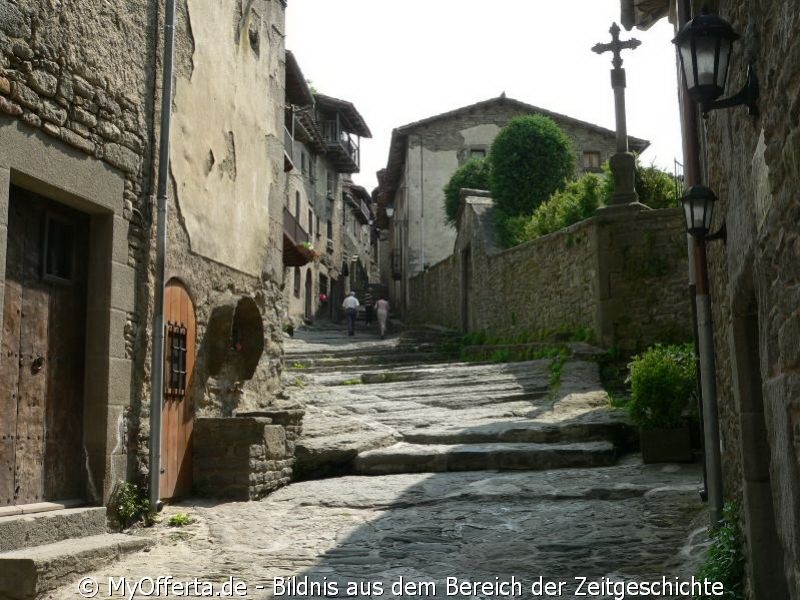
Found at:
(48, 527)
(12, 21)
(32, 119)
(5, 86)
(25, 95)
(43, 82)
(9, 107)
(83, 88)
(84, 117)
(628, 521)
(122, 157)
(53, 112)
(73, 139)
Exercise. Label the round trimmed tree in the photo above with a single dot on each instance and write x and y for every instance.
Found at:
(473, 174)
(531, 159)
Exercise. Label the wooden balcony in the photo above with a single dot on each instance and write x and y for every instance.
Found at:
(295, 253)
(288, 150)
(342, 148)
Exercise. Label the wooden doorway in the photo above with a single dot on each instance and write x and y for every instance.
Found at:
(42, 354)
(178, 413)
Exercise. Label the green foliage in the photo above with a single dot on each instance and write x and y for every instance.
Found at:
(531, 158)
(130, 504)
(473, 175)
(354, 381)
(662, 384)
(298, 365)
(557, 368)
(180, 520)
(725, 562)
(578, 201)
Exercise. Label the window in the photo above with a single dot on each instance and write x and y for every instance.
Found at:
(59, 246)
(331, 185)
(303, 165)
(310, 222)
(297, 282)
(297, 205)
(312, 168)
(316, 227)
(591, 160)
(477, 153)
(330, 229)
(176, 360)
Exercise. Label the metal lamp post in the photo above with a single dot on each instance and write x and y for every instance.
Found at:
(698, 207)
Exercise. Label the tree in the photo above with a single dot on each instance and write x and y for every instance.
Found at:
(473, 174)
(531, 158)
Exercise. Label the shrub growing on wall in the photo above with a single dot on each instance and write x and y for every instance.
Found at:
(578, 201)
(473, 175)
(531, 158)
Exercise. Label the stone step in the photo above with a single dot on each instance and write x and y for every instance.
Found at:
(322, 363)
(27, 573)
(421, 458)
(618, 432)
(38, 528)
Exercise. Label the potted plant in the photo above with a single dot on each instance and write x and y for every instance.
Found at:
(662, 381)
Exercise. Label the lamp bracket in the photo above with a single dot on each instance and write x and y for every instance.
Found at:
(748, 96)
(719, 234)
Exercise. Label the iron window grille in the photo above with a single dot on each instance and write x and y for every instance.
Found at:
(176, 360)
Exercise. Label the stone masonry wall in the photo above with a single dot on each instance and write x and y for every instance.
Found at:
(621, 278)
(245, 457)
(753, 165)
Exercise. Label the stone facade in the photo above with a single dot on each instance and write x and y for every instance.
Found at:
(247, 457)
(619, 276)
(424, 155)
(753, 166)
(79, 122)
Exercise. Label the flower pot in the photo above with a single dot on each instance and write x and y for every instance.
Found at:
(665, 445)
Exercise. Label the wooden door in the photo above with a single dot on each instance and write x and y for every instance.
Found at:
(42, 352)
(178, 414)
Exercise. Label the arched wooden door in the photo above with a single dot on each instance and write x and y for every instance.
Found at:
(178, 413)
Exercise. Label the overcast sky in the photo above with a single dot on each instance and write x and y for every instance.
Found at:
(400, 61)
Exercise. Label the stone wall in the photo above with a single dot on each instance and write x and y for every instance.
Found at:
(620, 276)
(753, 165)
(245, 457)
(87, 79)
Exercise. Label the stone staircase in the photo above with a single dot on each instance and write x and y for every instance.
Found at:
(401, 405)
(47, 544)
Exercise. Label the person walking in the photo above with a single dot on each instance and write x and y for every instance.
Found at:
(350, 306)
(382, 310)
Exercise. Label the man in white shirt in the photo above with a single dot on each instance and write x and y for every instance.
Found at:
(350, 306)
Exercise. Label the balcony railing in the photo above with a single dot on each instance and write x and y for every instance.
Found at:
(292, 228)
(342, 144)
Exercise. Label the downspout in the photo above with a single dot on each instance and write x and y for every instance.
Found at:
(422, 200)
(157, 371)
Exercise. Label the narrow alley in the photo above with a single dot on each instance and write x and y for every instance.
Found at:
(411, 447)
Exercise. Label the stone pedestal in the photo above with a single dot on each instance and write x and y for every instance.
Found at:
(623, 167)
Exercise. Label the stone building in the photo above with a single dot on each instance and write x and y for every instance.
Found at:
(80, 125)
(425, 154)
(322, 151)
(752, 163)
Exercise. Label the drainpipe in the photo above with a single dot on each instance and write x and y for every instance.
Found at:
(157, 371)
(701, 307)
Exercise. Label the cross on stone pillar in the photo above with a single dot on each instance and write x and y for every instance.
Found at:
(623, 162)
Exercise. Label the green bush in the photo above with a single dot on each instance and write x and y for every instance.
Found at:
(130, 504)
(724, 561)
(662, 383)
(578, 201)
(473, 175)
(531, 158)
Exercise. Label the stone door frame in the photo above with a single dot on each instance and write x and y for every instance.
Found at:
(34, 161)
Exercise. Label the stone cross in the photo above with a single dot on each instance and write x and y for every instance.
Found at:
(616, 46)
(622, 163)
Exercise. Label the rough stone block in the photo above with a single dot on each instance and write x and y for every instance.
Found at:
(25, 95)
(52, 112)
(43, 82)
(73, 139)
(123, 158)
(5, 86)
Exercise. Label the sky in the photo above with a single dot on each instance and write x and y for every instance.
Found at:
(400, 61)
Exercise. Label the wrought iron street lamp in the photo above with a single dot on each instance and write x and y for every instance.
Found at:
(698, 209)
(704, 46)
(389, 211)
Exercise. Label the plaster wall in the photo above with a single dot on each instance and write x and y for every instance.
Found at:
(222, 125)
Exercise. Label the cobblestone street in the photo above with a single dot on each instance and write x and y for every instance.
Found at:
(622, 520)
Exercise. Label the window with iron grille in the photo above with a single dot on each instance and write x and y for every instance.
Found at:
(175, 381)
